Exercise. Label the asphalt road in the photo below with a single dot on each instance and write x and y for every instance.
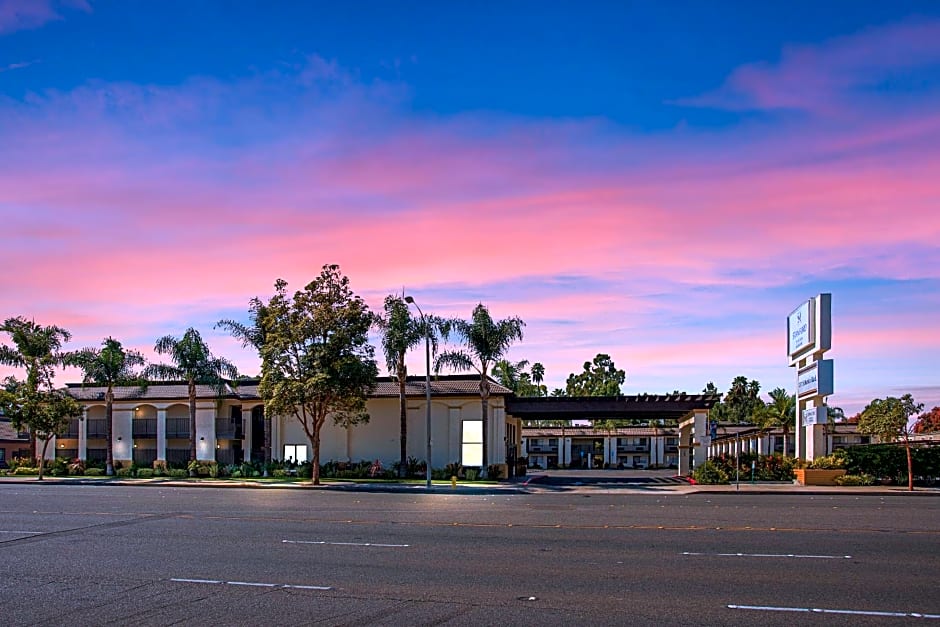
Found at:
(108, 555)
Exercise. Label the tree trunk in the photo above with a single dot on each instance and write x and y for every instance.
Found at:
(315, 441)
(109, 419)
(484, 398)
(267, 441)
(42, 457)
(910, 466)
(402, 402)
(192, 423)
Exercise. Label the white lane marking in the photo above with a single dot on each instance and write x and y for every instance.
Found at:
(196, 581)
(395, 546)
(820, 610)
(26, 533)
(251, 583)
(793, 555)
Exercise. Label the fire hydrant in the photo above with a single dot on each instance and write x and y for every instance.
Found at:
(453, 481)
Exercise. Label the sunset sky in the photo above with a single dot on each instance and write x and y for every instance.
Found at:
(660, 181)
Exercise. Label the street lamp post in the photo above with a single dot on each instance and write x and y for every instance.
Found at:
(427, 382)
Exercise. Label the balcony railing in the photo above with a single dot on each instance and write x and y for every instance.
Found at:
(66, 453)
(71, 432)
(542, 449)
(96, 428)
(227, 430)
(177, 455)
(96, 454)
(633, 448)
(144, 428)
(177, 428)
(145, 456)
(225, 456)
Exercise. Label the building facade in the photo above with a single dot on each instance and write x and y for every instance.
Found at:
(153, 426)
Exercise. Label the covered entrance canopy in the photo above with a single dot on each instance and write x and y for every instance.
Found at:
(672, 408)
(688, 411)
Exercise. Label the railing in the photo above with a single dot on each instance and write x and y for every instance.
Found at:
(542, 449)
(145, 456)
(96, 428)
(177, 455)
(71, 432)
(177, 428)
(228, 430)
(96, 454)
(633, 448)
(66, 453)
(225, 456)
(144, 428)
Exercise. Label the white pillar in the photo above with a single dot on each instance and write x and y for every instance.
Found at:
(701, 431)
(83, 435)
(565, 451)
(607, 449)
(248, 435)
(161, 435)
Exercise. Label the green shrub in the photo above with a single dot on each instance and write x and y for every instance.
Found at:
(710, 473)
(279, 473)
(124, 472)
(25, 470)
(94, 472)
(178, 473)
(305, 470)
(77, 467)
(829, 462)
(889, 461)
(851, 480)
(144, 473)
(471, 474)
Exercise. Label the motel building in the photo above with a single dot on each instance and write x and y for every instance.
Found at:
(152, 426)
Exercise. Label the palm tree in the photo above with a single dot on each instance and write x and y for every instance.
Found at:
(253, 334)
(195, 364)
(778, 414)
(538, 375)
(400, 333)
(109, 366)
(485, 342)
(38, 349)
(510, 374)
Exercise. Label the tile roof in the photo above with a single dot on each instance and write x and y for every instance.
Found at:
(448, 385)
(155, 391)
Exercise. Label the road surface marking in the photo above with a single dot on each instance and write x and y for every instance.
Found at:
(395, 546)
(793, 555)
(820, 610)
(26, 533)
(252, 583)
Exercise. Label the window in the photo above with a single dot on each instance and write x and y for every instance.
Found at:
(3, 454)
(471, 451)
(295, 452)
(553, 441)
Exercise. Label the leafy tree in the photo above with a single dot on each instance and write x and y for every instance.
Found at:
(109, 366)
(599, 377)
(780, 413)
(485, 342)
(888, 419)
(46, 412)
(557, 392)
(402, 332)
(316, 360)
(37, 349)
(252, 334)
(928, 422)
(833, 415)
(538, 375)
(195, 364)
(742, 402)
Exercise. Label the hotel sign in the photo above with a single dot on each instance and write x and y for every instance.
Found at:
(801, 328)
(815, 380)
(814, 416)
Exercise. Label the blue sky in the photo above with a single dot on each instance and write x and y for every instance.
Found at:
(662, 182)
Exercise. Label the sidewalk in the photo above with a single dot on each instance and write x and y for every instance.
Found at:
(528, 485)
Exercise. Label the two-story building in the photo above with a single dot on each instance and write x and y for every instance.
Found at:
(152, 425)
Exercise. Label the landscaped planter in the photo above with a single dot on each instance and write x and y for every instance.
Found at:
(813, 476)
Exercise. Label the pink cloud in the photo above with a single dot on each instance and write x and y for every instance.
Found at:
(818, 78)
(27, 14)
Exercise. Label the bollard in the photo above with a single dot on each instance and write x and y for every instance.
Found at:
(453, 481)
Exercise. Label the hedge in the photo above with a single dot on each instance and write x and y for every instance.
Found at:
(889, 461)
